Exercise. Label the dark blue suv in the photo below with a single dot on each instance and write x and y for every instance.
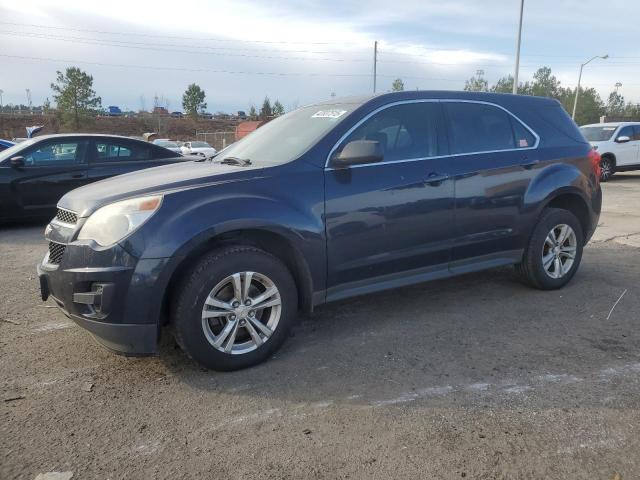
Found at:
(330, 201)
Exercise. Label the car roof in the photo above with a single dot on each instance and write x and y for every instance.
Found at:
(87, 135)
(610, 124)
(498, 98)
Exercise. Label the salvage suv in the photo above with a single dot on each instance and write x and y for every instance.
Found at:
(327, 202)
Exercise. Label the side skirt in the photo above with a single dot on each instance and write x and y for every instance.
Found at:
(424, 274)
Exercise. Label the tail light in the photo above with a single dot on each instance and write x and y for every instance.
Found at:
(595, 163)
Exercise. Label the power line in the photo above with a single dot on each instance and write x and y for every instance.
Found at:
(81, 40)
(137, 34)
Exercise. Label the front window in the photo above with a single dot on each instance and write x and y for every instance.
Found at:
(405, 131)
(598, 134)
(54, 154)
(287, 137)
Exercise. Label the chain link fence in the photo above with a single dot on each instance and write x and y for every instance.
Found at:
(217, 140)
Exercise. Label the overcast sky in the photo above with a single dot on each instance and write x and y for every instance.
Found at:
(238, 51)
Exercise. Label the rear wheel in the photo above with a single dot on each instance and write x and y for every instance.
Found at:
(607, 168)
(235, 308)
(554, 251)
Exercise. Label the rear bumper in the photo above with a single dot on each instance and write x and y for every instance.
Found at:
(111, 295)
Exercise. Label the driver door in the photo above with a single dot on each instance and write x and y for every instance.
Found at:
(627, 152)
(391, 221)
(51, 169)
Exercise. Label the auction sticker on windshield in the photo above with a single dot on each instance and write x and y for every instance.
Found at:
(329, 114)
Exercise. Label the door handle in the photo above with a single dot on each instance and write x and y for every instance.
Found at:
(77, 175)
(434, 179)
(529, 164)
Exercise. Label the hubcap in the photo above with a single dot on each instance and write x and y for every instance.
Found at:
(605, 168)
(241, 312)
(559, 251)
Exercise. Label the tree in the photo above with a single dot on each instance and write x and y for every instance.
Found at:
(74, 95)
(590, 105)
(193, 100)
(545, 84)
(397, 85)
(615, 104)
(476, 84)
(277, 109)
(266, 111)
(253, 114)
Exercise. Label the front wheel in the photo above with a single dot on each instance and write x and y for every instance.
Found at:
(235, 308)
(607, 169)
(554, 252)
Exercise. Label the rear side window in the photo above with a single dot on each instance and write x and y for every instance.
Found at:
(476, 127)
(636, 132)
(406, 131)
(114, 151)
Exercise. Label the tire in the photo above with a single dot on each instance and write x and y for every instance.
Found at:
(607, 168)
(202, 312)
(535, 269)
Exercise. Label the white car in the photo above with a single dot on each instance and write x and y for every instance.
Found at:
(168, 144)
(617, 143)
(198, 148)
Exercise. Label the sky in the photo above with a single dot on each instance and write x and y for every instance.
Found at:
(300, 52)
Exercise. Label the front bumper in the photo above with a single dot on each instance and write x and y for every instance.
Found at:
(109, 292)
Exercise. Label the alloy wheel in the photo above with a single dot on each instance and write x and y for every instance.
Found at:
(241, 312)
(559, 251)
(606, 169)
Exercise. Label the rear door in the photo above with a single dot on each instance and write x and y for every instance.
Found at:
(493, 163)
(52, 168)
(116, 156)
(627, 152)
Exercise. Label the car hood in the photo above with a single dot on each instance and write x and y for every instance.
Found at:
(87, 199)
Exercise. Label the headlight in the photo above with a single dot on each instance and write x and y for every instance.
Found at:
(113, 222)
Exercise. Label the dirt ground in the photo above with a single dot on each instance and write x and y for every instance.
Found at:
(476, 377)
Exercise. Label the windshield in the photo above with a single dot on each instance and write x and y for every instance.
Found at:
(287, 137)
(598, 134)
(200, 145)
(12, 151)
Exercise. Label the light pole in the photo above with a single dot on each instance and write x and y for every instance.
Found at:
(515, 75)
(575, 101)
(617, 86)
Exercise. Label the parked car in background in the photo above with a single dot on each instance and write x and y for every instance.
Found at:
(4, 144)
(324, 203)
(618, 145)
(114, 111)
(177, 115)
(168, 144)
(198, 148)
(34, 174)
(206, 115)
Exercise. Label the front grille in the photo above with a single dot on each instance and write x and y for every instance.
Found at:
(56, 250)
(66, 216)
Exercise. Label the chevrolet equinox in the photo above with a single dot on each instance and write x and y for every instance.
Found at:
(329, 201)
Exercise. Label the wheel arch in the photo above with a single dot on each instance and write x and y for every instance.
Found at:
(273, 242)
(610, 155)
(574, 203)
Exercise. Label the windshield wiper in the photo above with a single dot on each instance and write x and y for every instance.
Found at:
(236, 161)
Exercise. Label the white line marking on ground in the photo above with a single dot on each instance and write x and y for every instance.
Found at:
(614, 305)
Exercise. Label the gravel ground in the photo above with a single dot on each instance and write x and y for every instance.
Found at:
(476, 377)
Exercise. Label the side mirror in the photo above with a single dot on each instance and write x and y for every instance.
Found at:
(623, 139)
(359, 152)
(17, 162)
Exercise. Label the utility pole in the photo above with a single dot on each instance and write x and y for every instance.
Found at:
(1, 92)
(575, 101)
(375, 64)
(28, 98)
(515, 75)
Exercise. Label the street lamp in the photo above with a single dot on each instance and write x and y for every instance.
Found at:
(517, 69)
(617, 86)
(575, 102)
